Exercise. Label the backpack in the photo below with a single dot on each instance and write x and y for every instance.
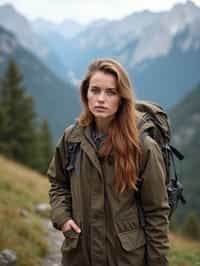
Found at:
(155, 123)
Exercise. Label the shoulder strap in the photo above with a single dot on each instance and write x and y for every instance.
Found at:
(72, 149)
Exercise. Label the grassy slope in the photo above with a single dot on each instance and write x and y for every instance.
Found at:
(23, 188)
(184, 252)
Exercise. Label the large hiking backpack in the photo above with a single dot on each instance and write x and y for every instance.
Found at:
(155, 123)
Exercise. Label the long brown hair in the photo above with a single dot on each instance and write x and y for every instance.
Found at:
(123, 139)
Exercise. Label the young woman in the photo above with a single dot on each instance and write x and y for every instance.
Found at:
(94, 175)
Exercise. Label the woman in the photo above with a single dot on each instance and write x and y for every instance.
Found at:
(94, 176)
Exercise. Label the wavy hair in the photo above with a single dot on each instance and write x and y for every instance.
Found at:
(123, 135)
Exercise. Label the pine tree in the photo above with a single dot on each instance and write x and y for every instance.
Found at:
(3, 128)
(17, 118)
(45, 147)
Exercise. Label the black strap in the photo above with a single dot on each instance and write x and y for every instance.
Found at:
(139, 203)
(72, 149)
(178, 154)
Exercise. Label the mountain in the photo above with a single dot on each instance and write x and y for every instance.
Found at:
(55, 37)
(160, 50)
(55, 100)
(8, 42)
(157, 38)
(13, 21)
(68, 28)
(168, 78)
(153, 32)
(185, 120)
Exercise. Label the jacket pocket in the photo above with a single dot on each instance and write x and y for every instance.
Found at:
(131, 240)
(131, 248)
(71, 240)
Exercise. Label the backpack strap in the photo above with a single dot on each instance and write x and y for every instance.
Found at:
(72, 148)
(72, 151)
(138, 201)
(139, 184)
(174, 187)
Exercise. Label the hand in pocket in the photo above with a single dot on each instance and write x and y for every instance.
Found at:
(70, 225)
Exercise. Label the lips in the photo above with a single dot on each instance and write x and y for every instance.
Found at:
(100, 108)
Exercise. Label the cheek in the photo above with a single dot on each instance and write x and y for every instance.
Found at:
(90, 99)
(115, 104)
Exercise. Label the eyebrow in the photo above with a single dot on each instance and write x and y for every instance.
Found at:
(110, 88)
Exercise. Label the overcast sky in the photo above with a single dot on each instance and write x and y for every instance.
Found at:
(85, 11)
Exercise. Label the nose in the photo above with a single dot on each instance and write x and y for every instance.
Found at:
(101, 97)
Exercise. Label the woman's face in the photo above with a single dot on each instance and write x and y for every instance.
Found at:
(102, 95)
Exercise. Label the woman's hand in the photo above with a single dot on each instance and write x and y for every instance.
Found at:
(70, 225)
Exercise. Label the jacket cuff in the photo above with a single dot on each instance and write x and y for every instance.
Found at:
(60, 220)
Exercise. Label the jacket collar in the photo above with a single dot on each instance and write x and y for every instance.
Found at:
(82, 135)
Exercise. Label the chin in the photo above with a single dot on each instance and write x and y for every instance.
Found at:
(100, 116)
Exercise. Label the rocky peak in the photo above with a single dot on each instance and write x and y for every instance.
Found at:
(8, 41)
(15, 22)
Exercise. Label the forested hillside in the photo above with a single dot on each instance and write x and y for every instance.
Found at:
(185, 119)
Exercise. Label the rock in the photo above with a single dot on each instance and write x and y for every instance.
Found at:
(55, 239)
(7, 257)
(24, 212)
(43, 209)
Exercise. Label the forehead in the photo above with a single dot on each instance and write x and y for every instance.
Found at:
(102, 79)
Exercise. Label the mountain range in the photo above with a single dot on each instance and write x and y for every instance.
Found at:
(17, 23)
(161, 51)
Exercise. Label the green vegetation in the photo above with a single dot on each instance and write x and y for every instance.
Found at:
(44, 144)
(185, 120)
(184, 252)
(55, 100)
(191, 226)
(21, 138)
(21, 189)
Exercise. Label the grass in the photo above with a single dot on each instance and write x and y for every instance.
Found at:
(22, 188)
(184, 252)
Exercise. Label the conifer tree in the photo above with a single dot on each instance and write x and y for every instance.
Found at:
(17, 118)
(45, 146)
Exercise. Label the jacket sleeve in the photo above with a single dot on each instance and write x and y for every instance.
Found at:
(155, 203)
(59, 192)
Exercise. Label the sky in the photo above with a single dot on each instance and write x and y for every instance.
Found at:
(85, 11)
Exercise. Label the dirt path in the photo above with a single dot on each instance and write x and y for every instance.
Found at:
(55, 239)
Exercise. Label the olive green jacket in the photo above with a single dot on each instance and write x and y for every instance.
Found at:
(110, 231)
